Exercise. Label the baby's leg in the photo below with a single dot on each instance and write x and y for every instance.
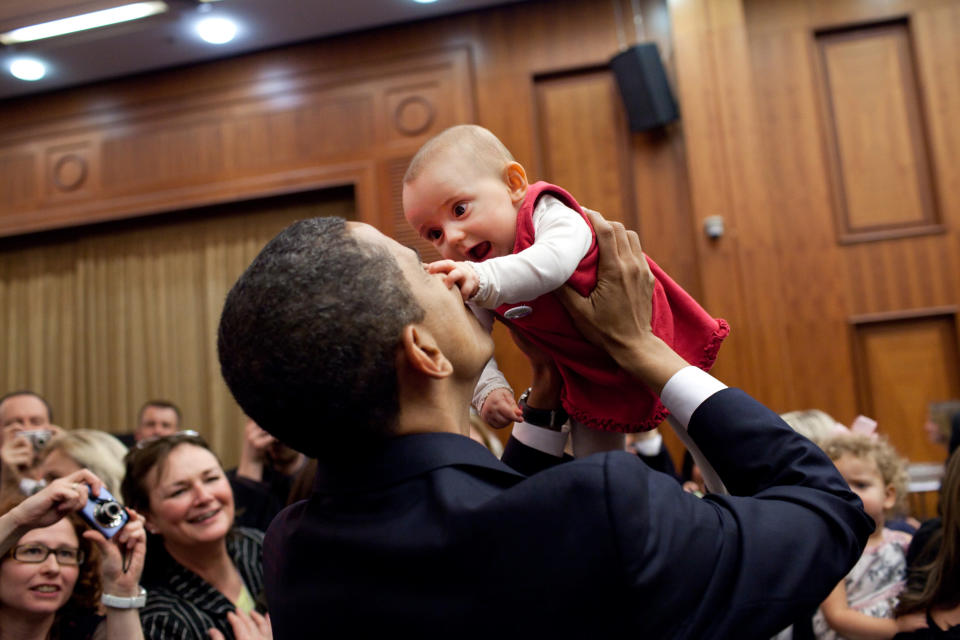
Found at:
(586, 441)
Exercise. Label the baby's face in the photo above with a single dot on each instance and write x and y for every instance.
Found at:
(464, 210)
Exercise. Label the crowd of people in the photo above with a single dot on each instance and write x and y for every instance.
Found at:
(181, 566)
(370, 498)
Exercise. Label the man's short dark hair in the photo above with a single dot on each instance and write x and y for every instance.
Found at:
(28, 392)
(309, 335)
(159, 404)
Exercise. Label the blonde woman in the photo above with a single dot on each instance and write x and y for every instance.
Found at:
(90, 449)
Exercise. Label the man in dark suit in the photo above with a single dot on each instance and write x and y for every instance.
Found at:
(338, 341)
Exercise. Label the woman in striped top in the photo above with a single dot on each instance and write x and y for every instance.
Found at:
(202, 573)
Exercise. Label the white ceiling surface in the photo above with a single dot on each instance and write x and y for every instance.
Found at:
(167, 40)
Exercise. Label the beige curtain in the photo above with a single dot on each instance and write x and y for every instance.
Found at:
(100, 320)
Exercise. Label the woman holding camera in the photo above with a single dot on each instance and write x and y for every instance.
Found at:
(203, 574)
(55, 571)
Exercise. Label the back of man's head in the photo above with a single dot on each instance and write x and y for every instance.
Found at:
(27, 408)
(309, 335)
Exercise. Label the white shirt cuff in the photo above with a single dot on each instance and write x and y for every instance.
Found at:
(687, 390)
(541, 439)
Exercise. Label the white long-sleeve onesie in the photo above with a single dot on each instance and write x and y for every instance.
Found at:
(561, 240)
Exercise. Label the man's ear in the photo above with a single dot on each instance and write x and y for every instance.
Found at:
(516, 179)
(422, 353)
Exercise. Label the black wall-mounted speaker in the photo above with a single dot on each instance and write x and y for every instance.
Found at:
(644, 87)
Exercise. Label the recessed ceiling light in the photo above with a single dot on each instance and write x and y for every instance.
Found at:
(216, 30)
(83, 22)
(424, 1)
(28, 69)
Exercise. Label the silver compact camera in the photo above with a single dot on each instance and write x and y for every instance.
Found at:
(37, 437)
(105, 514)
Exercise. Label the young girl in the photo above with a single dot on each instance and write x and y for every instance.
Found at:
(507, 245)
(862, 605)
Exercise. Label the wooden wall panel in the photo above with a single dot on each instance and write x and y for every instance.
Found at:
(18, 178)
(938, 58)
(143, 153)
(583, 147)
(902, 366)
(877, 137)
(271, 139)
(781, 262)
(725, 158)
(71, 170)
(155, 158)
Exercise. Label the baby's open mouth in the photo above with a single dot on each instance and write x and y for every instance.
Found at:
(479, 251)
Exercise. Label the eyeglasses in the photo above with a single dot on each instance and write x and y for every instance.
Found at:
(35, 553)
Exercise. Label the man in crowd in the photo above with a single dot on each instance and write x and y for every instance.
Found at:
(337, 341)
(25, 408)
(155, 418)
(21, 411)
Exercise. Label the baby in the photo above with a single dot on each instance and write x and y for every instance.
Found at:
(507, 245)
(862, 605)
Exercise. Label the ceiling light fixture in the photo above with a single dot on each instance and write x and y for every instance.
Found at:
(217, 30)
(28, 69)
(82, 22)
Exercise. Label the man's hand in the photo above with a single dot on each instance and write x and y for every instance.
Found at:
(457, 273)
(616, 315)
(500, 409)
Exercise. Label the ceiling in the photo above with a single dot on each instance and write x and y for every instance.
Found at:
(168, 40)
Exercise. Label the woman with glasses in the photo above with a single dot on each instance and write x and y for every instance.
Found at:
(204, 575)
(56, 573)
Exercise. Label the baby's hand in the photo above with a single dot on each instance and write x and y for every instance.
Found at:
(500, 408)
(457, 273)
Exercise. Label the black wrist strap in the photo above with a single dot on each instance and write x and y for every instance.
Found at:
(552, 419)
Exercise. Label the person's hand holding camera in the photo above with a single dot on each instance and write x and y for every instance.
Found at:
(122, 557)
(60, 497)
(17, 452)
(47, 506)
